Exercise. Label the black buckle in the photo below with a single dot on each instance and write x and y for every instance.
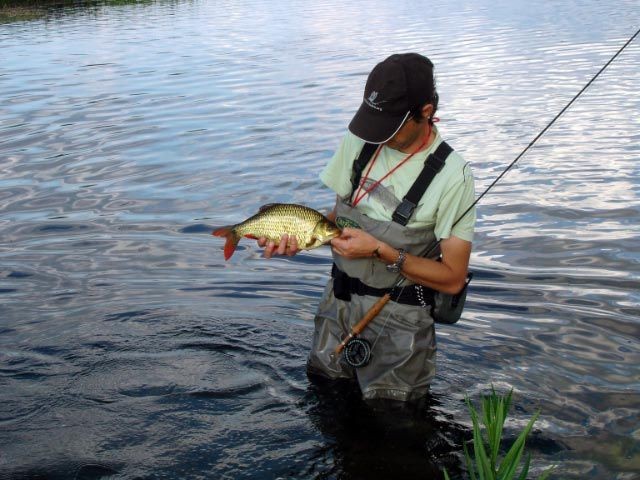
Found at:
(434, 163)
(403, 212)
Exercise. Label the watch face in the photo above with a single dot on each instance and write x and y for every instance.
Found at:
(393, 268)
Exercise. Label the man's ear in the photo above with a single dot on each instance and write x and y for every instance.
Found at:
(427, 111)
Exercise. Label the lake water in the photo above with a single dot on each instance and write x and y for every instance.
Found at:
(130, 349)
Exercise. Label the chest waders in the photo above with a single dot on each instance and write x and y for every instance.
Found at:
(403, 344)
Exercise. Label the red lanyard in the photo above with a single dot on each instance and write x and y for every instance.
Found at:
(359, 197)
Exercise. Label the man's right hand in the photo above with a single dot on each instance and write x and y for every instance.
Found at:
(288, 246)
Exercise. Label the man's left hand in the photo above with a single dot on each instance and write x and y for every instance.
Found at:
(355, 243)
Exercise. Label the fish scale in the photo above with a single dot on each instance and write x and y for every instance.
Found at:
(299, 221)
(309, 226)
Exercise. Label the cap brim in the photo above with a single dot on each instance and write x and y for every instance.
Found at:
(375, 127)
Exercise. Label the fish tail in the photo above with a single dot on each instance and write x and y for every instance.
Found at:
(232, 240)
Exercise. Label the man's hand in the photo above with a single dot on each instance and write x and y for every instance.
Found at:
(355, 243)
(288, 246)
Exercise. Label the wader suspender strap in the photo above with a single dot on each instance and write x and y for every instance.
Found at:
(432, 165)
(358, 165)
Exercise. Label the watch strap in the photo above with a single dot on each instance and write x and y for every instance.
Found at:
(396, 266)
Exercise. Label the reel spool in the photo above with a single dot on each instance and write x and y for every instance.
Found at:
(357, 352)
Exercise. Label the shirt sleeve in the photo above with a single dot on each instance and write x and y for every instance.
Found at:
(455, 203)
(337, 174)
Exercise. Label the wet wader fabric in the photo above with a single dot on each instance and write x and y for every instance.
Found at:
(403, 353)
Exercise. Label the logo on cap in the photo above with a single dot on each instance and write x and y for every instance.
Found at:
(371, 101)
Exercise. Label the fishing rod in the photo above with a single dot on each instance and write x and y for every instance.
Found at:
(358, 351)
(542, 132)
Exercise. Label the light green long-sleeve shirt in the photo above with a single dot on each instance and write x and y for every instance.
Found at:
(448, 196)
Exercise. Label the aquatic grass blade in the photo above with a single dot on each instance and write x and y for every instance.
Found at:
(525, 468)
(510, 472)
(470, 468)
(512, 458)
(486, 442)
(483, 463)
(482, 460)
(495, 410)
(489, 425)
(546, 473)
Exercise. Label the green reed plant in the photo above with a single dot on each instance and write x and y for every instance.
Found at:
(486, 464)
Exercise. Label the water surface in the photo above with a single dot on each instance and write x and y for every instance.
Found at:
(130, 349)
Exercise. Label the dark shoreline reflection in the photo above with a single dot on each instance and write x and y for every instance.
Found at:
(382, 439)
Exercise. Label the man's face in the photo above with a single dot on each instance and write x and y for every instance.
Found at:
(410, 132)
(408, 138)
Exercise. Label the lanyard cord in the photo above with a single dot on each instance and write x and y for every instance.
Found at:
(540, 134)
(359, 197)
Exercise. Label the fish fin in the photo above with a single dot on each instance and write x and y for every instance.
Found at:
(266, 206)
(232, 240)
(251, 236)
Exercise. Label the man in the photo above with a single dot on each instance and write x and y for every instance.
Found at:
(381, 242)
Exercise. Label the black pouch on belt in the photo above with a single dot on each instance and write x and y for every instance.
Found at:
(448, 308)
(341, 284)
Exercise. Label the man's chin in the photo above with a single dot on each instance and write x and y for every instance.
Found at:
(394, 145)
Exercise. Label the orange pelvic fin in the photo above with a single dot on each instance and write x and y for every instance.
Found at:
(232, 240)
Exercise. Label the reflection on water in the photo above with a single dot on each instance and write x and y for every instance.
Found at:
(381, 438)
(129, 348)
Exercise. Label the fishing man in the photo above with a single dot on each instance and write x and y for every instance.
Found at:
(390, 232)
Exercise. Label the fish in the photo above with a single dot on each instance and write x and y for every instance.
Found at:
(310, 227)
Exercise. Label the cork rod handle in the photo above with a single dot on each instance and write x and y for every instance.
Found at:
(360, 326)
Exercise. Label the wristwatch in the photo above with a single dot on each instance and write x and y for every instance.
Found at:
(397, 266)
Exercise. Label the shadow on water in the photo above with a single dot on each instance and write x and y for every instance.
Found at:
(72, 469)
(381, 439)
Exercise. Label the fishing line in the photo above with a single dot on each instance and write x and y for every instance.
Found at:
(357, 351)
(542, 132)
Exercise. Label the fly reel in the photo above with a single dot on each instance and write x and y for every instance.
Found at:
(357, 352)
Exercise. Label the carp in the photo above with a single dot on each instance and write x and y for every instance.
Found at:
(310, 227)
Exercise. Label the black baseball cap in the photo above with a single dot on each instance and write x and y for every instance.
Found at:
(399, 84)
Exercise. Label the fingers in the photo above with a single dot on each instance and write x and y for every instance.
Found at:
(269, 248)
(293, 246)
(282, 246)
(354, 243)
(348, 232)
(339, 243)
(288, 245)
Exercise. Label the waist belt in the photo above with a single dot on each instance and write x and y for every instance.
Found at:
(344, 286)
